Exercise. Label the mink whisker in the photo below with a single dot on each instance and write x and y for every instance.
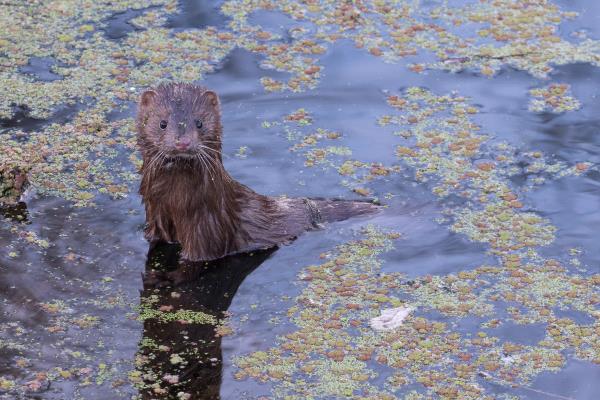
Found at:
(208, 169)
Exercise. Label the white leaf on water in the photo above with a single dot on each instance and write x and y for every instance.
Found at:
(390, 318)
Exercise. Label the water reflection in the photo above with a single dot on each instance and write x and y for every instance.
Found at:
(179, 356)
(15, 212)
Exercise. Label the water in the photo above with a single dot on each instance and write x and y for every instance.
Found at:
(70, 310)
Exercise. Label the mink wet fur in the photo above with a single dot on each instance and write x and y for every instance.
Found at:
(190, 198)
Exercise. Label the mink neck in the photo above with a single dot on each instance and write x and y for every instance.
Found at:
(207, 181)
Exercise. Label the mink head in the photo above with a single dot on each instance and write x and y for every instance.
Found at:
(179, 121)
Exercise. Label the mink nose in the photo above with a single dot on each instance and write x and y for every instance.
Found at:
(183, 143)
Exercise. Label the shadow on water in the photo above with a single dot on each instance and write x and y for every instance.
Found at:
(191, 352)
(192, 14)
(23, 120)
(118, 25)
(197, 14)
(15, 212)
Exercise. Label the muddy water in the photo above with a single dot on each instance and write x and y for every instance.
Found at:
(73, 308)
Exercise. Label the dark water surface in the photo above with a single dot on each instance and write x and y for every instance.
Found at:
(97, 267)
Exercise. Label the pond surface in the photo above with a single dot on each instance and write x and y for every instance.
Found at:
(489, 234)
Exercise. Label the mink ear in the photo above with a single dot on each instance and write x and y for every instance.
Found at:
(211, 98)
(148, 98)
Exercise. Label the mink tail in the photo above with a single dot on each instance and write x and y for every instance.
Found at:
(339, 210)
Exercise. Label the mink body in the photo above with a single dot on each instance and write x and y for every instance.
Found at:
(190, 198)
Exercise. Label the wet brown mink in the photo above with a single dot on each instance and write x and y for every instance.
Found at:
(191, 199)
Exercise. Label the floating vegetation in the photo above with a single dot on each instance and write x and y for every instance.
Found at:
(322, 358)
(71, 160)
(99, 74)
(326, 149)
(149, 309)
(522, 36)
(555, 98)
(493, 34)
(346, 293)
(334, 344)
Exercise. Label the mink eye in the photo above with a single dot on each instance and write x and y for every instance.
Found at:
(163, 124)
(198, 124)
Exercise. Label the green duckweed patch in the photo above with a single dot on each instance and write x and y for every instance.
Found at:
(98, 74)
(333, 349)
(493, 34)
(331, 316)
(150, 309)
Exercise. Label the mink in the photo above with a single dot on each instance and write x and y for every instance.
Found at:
(191, 199)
